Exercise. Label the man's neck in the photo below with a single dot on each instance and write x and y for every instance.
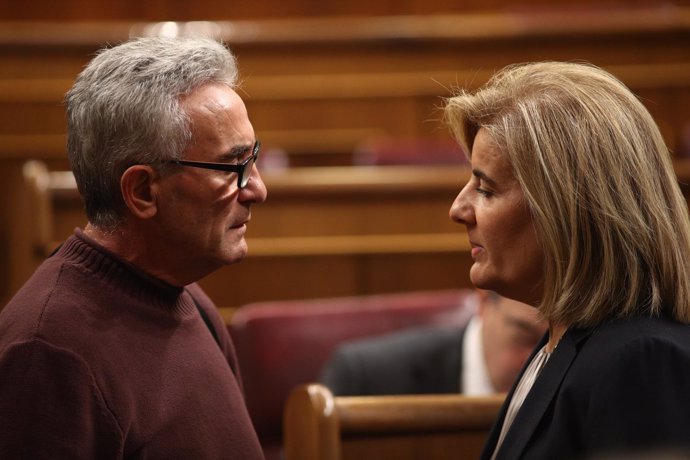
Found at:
(136, 249)
(109, 239)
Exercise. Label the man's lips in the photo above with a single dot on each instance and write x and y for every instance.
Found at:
(241, 224)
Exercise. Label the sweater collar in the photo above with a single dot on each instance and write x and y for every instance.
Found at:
(113, 270)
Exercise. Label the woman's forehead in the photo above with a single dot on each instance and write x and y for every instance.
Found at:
(488, 157)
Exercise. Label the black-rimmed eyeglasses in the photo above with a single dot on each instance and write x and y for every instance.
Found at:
(243, 170)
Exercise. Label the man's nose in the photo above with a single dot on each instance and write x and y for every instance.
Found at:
(255, 190)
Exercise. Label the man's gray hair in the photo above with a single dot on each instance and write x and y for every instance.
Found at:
(124, 109)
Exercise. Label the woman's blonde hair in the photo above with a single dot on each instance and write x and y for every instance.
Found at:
(600, 185)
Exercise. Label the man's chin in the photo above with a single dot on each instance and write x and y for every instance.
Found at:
(236, 254)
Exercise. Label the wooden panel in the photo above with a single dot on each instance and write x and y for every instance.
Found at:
(412, 446)
(371, 44)
(259, 278)
(323, 232)
(344, 201)
(310, 123)
(216, 9)
(317, 87)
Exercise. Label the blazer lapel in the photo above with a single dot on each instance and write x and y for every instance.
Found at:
(540, 396)
(495, 431)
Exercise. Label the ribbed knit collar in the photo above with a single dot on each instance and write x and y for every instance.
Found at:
(120, 274)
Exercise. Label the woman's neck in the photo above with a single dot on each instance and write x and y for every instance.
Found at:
(556, 332)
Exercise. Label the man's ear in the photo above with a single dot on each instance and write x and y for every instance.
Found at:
(138, 186)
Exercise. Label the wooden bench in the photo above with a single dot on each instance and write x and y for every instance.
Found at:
(372, 230)
(319, 426)
(337, 113)
(318, 87)
(218, 9)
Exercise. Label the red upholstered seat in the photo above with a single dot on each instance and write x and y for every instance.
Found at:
(284, 344)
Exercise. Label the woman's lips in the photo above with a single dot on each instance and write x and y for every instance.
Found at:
(476, 250)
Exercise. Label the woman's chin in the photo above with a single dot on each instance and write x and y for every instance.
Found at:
(480, 279)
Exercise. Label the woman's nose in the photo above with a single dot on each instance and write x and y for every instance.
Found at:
(461, 211)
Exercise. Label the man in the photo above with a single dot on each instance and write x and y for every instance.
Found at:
(482, 358)
(105, 353)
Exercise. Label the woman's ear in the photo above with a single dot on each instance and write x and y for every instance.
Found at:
(138, 188)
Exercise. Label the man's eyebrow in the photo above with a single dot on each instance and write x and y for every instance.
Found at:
(482, 175)
(237, 151)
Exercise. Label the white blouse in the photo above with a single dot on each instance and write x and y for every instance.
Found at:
(521, 391)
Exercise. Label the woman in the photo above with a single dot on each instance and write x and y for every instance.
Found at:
(573, 207)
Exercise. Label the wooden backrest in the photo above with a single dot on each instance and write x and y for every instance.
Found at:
(31, 226)
(319, 426)
(346, 76)
(374, 230)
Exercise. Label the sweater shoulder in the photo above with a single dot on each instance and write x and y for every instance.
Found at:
(71, 405)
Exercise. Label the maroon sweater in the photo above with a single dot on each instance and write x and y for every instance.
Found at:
(100, 361)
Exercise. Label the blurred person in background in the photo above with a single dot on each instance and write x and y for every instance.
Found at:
(481, 358)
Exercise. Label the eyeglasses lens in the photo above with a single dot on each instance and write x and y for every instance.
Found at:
(246, 172)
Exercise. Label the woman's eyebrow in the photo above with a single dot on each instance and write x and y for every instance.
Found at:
(482, 175)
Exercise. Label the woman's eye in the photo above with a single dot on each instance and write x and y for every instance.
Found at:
(483, 192)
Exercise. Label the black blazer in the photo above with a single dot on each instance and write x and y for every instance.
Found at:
(622, 387)
(415, 361)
